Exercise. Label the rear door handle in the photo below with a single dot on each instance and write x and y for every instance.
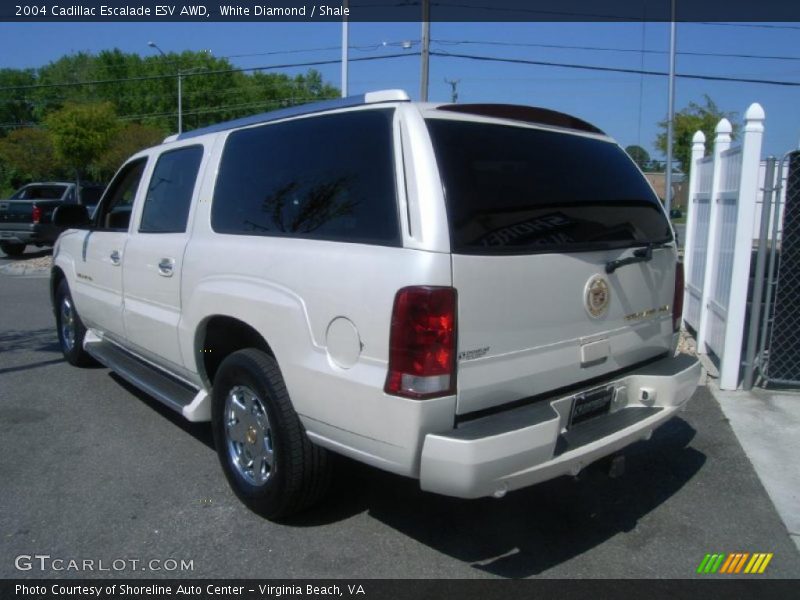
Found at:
(166, 266)
(115, 258)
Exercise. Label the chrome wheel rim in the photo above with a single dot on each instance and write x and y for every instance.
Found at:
(67, 325)
(248, 435)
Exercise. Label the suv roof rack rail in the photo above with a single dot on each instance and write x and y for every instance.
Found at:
(295, 111)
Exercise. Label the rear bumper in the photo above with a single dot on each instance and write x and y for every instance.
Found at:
(527, 445)
(28, 233)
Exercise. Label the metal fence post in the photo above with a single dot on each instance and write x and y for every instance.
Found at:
(778, 207)
(722, 142)
(750, 361)
(743, 249)
(698, 151)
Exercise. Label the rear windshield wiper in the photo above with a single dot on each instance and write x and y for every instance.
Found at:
(644, 254)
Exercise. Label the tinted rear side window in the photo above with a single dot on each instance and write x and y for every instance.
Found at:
(520, 190)
(169, 195)
(329, 178)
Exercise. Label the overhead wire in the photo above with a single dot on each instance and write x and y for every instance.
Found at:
(611, 49)
(543, 63)
(312, 63)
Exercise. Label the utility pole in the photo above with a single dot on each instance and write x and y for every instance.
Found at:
(453, 83)
(180, 74)
(345, 49)
(671, 114)
(180, 102)
(180, 91)
(425, 55)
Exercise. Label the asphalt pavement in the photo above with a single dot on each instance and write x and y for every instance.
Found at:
(92, 469)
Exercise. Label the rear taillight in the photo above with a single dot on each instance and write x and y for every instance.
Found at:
(677, 300)
(422, 343)
(37, 215)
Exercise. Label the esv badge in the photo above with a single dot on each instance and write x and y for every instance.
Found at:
(596, 296)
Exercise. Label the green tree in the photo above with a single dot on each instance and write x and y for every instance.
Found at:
(16, 105)
(695, 117)
(29, 155)
(128, 141)
(82, 133)
(639, 155)
(144, 88)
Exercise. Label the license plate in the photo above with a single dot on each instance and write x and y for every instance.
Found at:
(593, 403)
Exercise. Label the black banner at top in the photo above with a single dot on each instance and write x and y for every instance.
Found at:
(398, 10)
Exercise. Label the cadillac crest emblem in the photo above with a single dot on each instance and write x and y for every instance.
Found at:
(596, 296)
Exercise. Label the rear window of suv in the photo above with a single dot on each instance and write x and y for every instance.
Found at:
(40, 192)
(520, 190)
(329, 177)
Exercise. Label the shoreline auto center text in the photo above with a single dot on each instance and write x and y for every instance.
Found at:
(112, 590)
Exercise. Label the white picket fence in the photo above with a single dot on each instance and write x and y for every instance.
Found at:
(724, 192)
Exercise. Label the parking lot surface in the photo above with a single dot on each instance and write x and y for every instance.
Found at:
(92, 469)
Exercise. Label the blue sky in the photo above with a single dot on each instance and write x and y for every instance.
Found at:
(627, 106)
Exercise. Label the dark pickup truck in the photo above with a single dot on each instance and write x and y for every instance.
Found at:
(27, 217)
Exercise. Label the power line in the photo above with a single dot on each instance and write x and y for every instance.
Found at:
(749, 25)
(231, 107)
(610, 49)
(96, 65)
(188, 93)
(360, 48)
(313, 63)
(201, 111)
(543, 63)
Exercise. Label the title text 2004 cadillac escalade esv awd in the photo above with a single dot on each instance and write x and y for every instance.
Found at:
(481, 297)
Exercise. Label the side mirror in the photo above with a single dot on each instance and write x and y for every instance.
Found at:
(72, 216)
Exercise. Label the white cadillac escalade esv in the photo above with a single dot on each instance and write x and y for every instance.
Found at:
(481, 297)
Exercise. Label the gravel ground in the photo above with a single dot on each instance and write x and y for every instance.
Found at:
(33, 266)
(41, 262)
(687, 344)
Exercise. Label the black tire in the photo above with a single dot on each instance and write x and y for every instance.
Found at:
(71, 346)
(299, 472)
(12, 249)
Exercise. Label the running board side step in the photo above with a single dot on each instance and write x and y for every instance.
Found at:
(192, 403)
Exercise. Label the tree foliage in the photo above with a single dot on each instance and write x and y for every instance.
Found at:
(639, 155)
(82, 133)
(29, 154)
(695, 117)
(15, 108)
(213, 91)
(129, 140)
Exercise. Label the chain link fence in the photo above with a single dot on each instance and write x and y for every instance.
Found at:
(782, 359)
